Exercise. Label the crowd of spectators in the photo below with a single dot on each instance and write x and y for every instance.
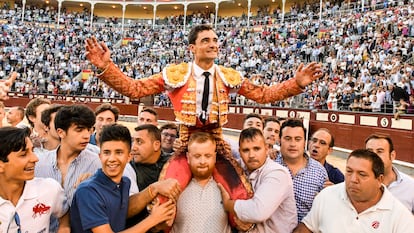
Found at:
(367, 56)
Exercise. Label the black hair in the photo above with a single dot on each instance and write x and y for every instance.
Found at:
(250, 134)
(77, 114)
(293, 123)
(385, 137)
(192, 36)
(12, 139)
(150, 111)
(153, 131)
(270, 119)
(253, 115)
(107, 107)
(115, 132)
(168, 126)
(377, 163)
(46, 114)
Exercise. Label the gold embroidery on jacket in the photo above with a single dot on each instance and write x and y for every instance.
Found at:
(177, 76)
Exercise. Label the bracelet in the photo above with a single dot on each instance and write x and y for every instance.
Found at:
(150, 192)
(251, 228)
(106, 68)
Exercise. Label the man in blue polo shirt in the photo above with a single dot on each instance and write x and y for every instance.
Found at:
(101, 203)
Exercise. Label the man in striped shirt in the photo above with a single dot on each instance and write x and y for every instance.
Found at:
(70, 163)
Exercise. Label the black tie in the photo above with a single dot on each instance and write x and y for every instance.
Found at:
(204, 102)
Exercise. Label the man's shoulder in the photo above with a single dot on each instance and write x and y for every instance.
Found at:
(87, 161)
(43, 181)
(274, 167)
(406, 180)
(176, 75)
(47, 158)
(316, 169)
(231, 141)
(334, 192)
(231, 77)
(92, 139)
(274, 171)
(394, 204)
(314, 164)
(88, 185)
(43, 188)
(164, 157)
(89, 154)
(329, 167)
(335, 175)
(178, 68)
(93, 148)
(336, 188)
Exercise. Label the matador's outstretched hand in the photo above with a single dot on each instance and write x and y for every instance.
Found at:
(5, 86)
(306, 75)
(97, 53)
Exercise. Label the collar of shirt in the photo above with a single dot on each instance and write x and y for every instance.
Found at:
(256, 173)
(385, 203)
(54, 156)
(28, 193)
(399, 179)
(198, 71)
(280, 160)
(211, 181)
(104, 179)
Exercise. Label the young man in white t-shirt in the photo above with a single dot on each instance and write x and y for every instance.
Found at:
(26, 203)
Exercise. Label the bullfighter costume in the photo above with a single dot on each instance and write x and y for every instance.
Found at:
(180, 84)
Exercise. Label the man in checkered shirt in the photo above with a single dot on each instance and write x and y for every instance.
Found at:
(308, 175)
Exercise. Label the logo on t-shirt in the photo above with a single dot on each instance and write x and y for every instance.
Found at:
(40, 209)
(375, 224)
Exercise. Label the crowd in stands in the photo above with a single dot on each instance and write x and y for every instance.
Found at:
(365, 54)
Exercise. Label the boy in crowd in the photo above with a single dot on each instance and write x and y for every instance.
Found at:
(33, 114)
(105, 114)
(70, 163)
(271, 132)
(101, 204)
(26, 203)
(52, 139)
